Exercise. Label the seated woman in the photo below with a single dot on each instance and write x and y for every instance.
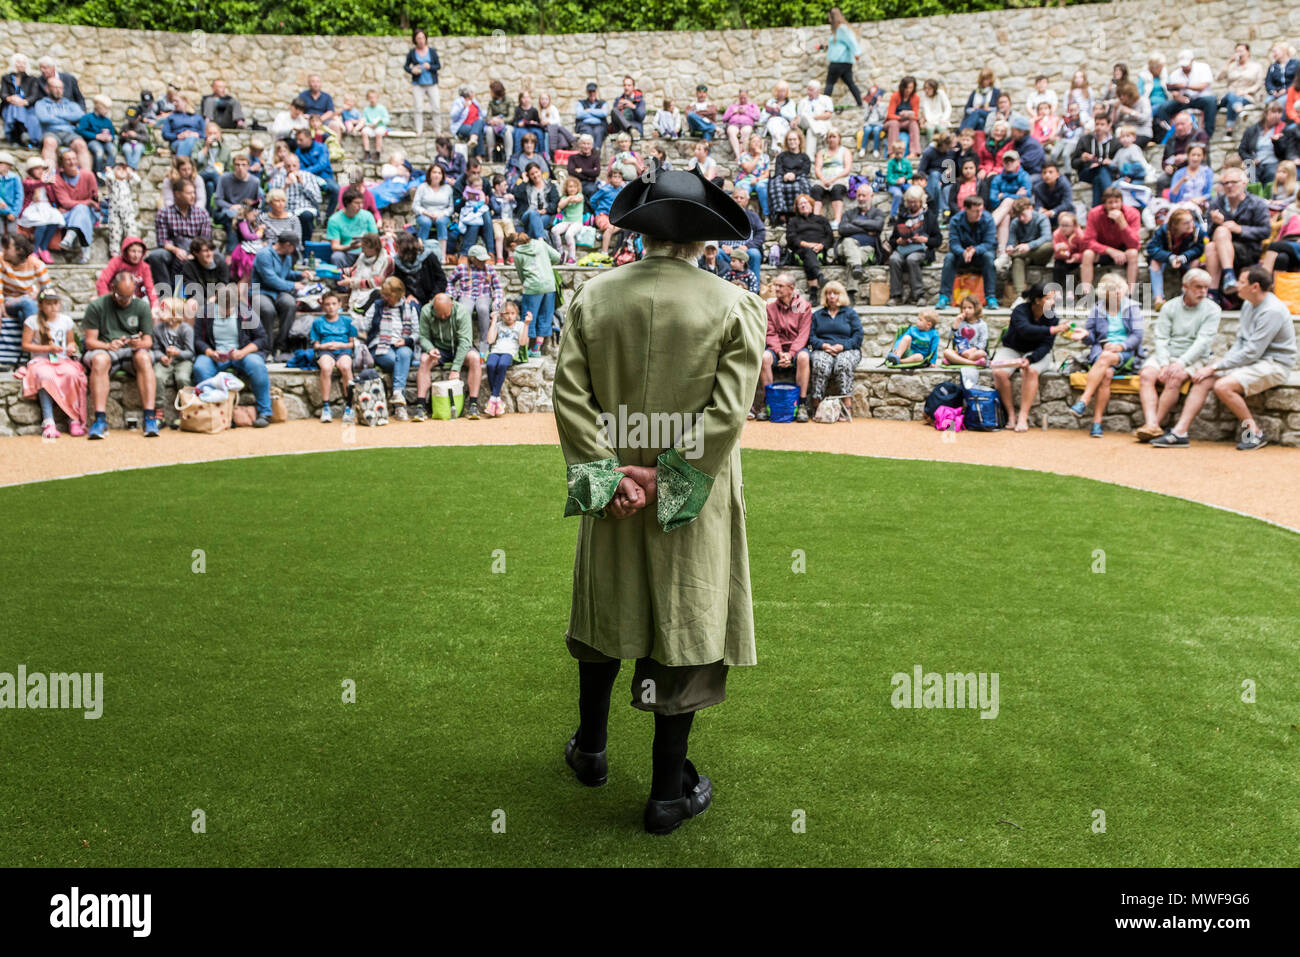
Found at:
(556, 135)
(1027, 347)
(752, 175)
(182, 128)
(1174, 248)
(835, 344)
(626, 159)
(983, 99)
(1114, 331)
(528, 153)
(790, 176)
(1284, 188)
(808, 238)
(1194, 183)
(497, 128)
(433, 207)
(831, 172)
(445, 155)
(740, 118)
(1283, 253)
(54, 375)
(182, 170)
(527, 119)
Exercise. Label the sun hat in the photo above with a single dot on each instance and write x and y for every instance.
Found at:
(477, 251)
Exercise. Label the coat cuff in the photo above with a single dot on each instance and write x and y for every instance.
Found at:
(591, 486)
(682, 490)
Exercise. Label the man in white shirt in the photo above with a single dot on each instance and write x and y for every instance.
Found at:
(814, 113)
(1189, 86)
(287, 122)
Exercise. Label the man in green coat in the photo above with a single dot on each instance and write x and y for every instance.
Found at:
(657, 368)
(446, 339)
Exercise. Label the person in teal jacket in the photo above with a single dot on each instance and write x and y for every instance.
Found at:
(841, 53)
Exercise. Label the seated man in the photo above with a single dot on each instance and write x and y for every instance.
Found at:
(751, 250)
(1184, 137)
(591, 117)
(58, 116)
(419, 269)
(278, 286)
(334, 338)
(1027, 347)
(321, 104)
(182, 128)
(1053, 195)
(446, 339)
(1238, 224)
(314, 158)
(1183, 337)
(221, 108)
(346, 227)
(119, 337)
(231, 337)
(1113, 233)
(204, 273)
(789, 324)
(236, 189)
(860, 229)
(1262, 356)
(1029, 240)
(1189, 86)
(177, 226)
(972, 243)
(628, 113)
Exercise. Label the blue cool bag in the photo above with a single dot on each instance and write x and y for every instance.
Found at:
(982, 411)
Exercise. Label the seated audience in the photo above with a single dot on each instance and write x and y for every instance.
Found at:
(1113, 333)
(1112, 235)
(972, 243)
(1183, 339)
(119, 337)
(913, 241)
(789, 326)
(1261, 357)
(446, 337)
(835, 344)
(231, 338)
(1026, 347)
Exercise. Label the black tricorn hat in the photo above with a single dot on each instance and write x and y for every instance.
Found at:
(678, 205)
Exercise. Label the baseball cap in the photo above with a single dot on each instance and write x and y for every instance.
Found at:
(591, 87)
(701, 88)
(711, 243)
(1010, 156)
(1185, 58)
(48, 292)
(1020, 122)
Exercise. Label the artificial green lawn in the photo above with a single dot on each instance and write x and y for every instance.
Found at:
(1118, 691)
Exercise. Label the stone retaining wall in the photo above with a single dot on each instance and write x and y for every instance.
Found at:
(877, 394)
(1016, 44)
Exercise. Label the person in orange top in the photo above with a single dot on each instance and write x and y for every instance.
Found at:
(1292, 108)
(904, 113)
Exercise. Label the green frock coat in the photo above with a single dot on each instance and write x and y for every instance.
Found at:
(660, 336)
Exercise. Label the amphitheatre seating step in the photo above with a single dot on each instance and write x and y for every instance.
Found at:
(878, 393)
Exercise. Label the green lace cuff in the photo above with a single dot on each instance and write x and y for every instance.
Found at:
(683, 490)
(591, 486)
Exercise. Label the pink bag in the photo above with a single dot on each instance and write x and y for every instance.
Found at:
(946, 417)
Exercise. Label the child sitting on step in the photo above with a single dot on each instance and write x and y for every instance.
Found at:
(504, 337)
(173, 354)
(919, 344)
(334, 337)
(970, 336)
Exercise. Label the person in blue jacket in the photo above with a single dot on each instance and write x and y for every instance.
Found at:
(96, 128)
(183, 128)
(591, 116)
(1004, 189)
(972, 244)
(278, 286)
(315, 158)
(834, 344)
(422, 64)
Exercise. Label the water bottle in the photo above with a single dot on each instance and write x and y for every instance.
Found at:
(773, 256)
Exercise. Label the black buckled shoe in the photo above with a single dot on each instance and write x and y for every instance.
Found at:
(664, 817)
(591, 769)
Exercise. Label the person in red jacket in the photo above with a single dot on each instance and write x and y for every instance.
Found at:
(904, 113)
(1113, 233)
(789, 323)
(130, 259)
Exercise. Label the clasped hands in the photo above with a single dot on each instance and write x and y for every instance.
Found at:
(639, 488)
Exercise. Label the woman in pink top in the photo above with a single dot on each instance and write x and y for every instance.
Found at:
(741, 118)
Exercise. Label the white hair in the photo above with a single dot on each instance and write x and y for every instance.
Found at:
(47, 61)
(1197, 275)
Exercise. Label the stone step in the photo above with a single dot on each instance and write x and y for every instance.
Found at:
(878, 393)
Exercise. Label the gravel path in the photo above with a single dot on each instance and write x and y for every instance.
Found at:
(1261, 484)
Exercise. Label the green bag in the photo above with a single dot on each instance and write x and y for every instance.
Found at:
(559, 288)
(447, 399)
(522, 354)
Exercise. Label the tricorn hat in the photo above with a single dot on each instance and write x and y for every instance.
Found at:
(678, 205)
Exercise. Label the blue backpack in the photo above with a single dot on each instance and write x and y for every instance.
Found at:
(983, 411)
